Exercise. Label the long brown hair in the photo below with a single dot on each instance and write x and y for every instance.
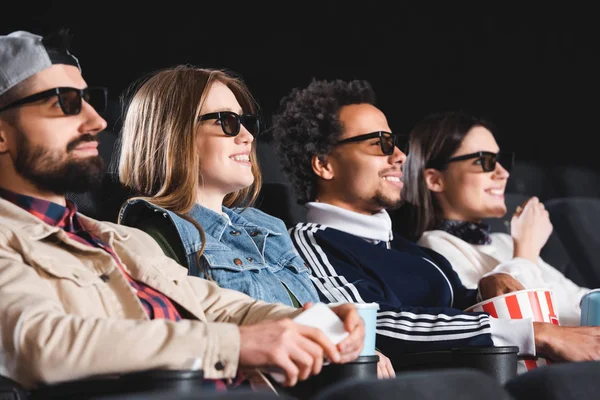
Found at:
(158, 157)
(432, 140)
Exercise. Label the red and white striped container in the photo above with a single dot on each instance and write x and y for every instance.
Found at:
(536, 304)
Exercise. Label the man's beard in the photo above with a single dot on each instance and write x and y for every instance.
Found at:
(383, 201)
(55, 171)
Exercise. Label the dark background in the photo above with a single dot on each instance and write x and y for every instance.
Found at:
(531, 69)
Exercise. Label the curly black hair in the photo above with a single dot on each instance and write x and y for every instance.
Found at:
(308, 124)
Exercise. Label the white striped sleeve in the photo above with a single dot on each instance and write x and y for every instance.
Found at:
(406, 325)
(332, 286)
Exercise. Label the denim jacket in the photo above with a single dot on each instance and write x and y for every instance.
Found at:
(247, 250)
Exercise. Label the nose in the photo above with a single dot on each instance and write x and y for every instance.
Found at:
(244, 136)
(500, 172)
(397, 157)
(93, 122)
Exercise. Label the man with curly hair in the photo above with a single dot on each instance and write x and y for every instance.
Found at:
(346, 167)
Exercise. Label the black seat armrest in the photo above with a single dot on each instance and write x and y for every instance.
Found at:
(11, 390)
(178, 381)
(498, 361)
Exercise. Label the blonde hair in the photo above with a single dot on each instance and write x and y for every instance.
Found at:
(158, 157)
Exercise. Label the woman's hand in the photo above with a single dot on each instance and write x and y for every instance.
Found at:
(530, 228)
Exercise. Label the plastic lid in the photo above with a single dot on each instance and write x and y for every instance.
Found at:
(358, 305)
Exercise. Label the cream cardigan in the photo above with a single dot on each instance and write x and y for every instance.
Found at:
(473, 262)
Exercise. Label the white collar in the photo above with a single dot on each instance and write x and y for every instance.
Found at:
(376, 227)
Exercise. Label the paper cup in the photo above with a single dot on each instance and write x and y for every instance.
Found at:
(536, 304)
(368, 312)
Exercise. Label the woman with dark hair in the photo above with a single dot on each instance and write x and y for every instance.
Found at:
(455, 177)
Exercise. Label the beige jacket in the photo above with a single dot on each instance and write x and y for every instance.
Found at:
(60, 321)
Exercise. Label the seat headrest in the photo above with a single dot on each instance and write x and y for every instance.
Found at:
(104, 202)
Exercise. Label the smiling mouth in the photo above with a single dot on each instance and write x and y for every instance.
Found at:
(392, 178)
(496, 192)
(241, 157)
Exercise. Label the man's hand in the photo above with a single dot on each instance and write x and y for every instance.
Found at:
(385, 369)
(352, 345)
(498, 284)
(296, 349)
(567, 343)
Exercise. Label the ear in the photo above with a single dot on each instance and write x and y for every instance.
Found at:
(322, 167)
(434, 180)
(3, 136)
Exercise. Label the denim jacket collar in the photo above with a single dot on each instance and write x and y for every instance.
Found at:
(214, 224)
(254, 254)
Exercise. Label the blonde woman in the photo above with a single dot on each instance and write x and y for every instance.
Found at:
(188, 149)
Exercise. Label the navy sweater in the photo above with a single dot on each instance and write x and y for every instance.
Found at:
(419, 294)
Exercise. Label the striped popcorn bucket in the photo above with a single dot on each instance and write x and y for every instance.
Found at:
(536, 304)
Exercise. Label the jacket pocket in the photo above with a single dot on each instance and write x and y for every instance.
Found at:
(293, 261)
(77, 274)
(233, 261)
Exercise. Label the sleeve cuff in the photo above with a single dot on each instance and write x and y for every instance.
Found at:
(222, 351)
(514, 332)
(494, 272)
(523, 270)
